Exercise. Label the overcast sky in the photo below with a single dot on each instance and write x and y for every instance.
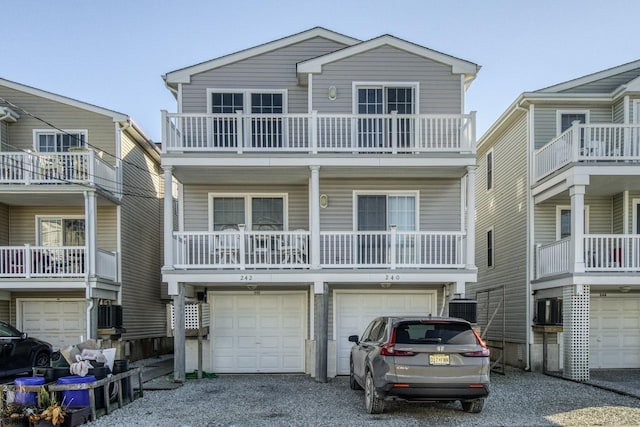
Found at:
(112, 53)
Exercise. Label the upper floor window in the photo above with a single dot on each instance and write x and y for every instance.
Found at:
(378, 212)
(490, 170)
(260, 212)
(59, 231)
(563, 221)
(48, 141)
(229, 101)
(490, 248)
(565, 119)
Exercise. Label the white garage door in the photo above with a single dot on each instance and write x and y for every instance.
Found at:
(614, 332)
(354, 311)
(60, 322)
(258, 332)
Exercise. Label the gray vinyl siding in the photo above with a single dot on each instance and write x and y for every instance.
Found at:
(4, 225)
(3, 137)
(439, 206)
(634, 104)
(607, 84)
(545, 123)
(440, 90)
(600, 219)
(23, 223)
(632, 195)
(196, 203)
(618, 111)
(143, 310)
(100, 129)
(5, 311)
(618, 214)
(271, 70)
(505, 209)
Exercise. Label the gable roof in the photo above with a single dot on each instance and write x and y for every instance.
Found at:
(183, 75)
(117, 117)
(458, 66)
(590, 78)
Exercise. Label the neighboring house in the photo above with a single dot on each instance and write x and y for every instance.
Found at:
(80, 223)
(558, 205)
(324, 181)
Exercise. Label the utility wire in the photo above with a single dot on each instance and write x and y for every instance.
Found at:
(11, 104)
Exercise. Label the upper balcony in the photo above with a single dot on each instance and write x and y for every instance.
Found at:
(314, 133)
(588, 144)
(57, 168)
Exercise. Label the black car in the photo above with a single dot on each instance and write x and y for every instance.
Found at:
(19, 353)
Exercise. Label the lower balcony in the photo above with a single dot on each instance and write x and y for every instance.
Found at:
(26, 262)
(338, 249)
(602, 253)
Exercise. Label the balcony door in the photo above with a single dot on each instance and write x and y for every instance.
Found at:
(378, 132)
(263, 129)
(376, 214)
(56, 232)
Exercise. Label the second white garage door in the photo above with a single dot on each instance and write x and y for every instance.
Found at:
(59, 322)
(354, 311)
(614, 337)
(258, 332)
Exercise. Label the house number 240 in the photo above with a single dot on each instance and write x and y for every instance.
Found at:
(392, 277)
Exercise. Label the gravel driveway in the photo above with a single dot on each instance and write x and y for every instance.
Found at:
(519, 398)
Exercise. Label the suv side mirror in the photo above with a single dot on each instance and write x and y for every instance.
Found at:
(24, 335)
(353, 338)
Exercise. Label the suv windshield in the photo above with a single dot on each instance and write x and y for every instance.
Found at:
(8, 330)
(417, 332)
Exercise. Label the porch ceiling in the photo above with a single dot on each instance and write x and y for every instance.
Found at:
(45, 198)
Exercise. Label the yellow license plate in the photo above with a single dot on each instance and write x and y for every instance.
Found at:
(438, 359)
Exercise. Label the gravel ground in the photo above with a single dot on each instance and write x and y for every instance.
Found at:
(516, 399)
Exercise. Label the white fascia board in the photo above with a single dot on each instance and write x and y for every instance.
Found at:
(184, 75)
(592, 77)
(117, 117)
(404, 162)
(459, 66)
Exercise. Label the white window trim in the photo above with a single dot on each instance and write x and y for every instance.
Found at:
(493, 247)
(493, 169)
(369, 84)
(559, 113)
(247, 207)
(62, 217)
(415, 194)
(37, 132)
(634, 215)
(246, 94)
(560, 208)
(636, 111)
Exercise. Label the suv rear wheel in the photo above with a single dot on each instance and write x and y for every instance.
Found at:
(474, 406)
(373, 403)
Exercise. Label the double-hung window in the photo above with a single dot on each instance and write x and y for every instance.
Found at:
(563, 221)
(380, 100)
(259, 212)
(376, 213)
(46, 141)
(263, 128)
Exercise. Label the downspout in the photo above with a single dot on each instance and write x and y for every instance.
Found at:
(89, 308)
(444, 299)
(529, 227)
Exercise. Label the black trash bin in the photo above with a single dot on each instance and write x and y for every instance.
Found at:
(119, 366)
(100, 373)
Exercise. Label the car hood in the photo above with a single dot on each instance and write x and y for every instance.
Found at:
(40, 342)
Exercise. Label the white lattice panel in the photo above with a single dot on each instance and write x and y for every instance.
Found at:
(576, 333)
(191, 316)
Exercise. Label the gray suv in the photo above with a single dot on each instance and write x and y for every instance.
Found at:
(422, 359)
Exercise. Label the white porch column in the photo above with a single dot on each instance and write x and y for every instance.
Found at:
(168, 217)
(91, 227)
(314, 217)
(577, 227)
(470, 260)
(321, 303)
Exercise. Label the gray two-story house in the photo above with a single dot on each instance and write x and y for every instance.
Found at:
(80, 223)
(558, 206)
(323, 181)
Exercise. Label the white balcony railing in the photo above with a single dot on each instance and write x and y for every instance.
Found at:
(28, 261)
(57, 168)
(602, 253)
(315, 132)
(289, 249)
(588, 143)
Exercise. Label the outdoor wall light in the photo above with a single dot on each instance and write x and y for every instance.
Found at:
(624, 289)
(333, 93)
(324, 201)
(385, 285)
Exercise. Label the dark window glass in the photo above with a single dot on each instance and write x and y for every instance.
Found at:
(416, 332)
(567, 119)
(489, 170)
(267, 213)
(226, 103)
(490, 248)
(228, 212)
(372, 213)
